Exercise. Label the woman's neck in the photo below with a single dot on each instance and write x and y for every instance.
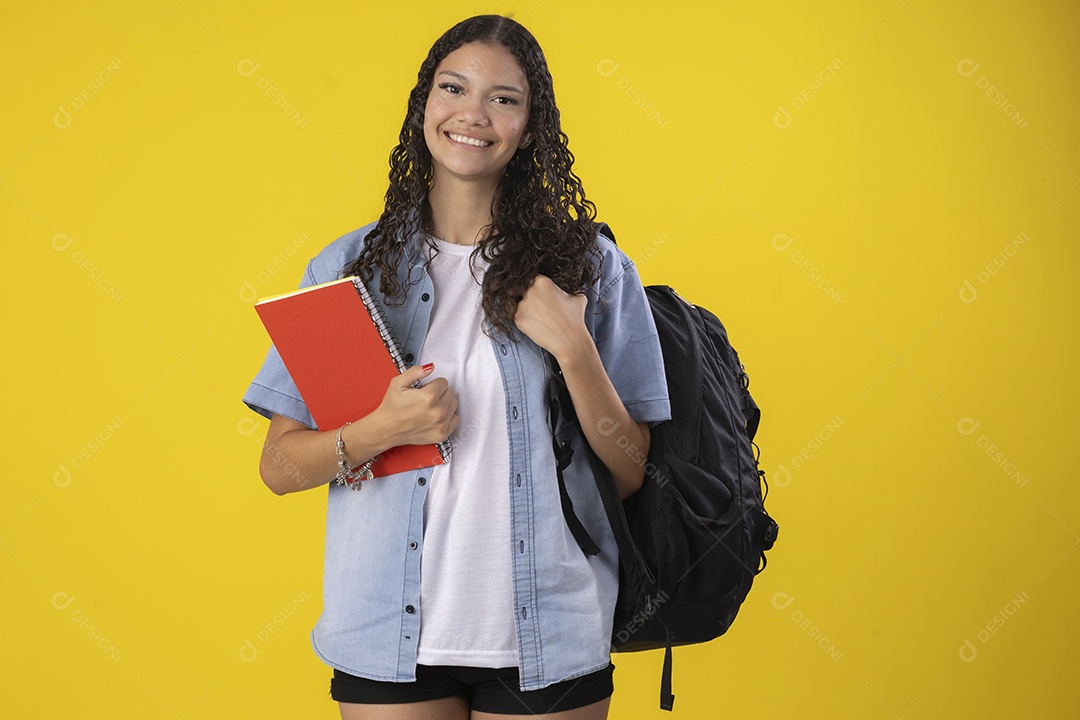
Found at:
(460, 211)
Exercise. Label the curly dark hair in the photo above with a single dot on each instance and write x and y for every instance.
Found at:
(541, 221)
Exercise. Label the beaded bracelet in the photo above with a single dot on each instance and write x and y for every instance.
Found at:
(346, 475)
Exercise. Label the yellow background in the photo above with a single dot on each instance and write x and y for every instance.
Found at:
(746, 154)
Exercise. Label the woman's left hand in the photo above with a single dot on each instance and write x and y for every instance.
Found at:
(551, 318)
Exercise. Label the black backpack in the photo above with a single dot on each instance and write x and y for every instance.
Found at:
(693, 538)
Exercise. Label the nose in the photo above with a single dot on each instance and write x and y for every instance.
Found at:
(473, 111)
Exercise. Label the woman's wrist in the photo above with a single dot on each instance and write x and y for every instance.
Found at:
(576, 349)
(365, 438)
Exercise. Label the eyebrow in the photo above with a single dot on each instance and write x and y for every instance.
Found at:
(503, 88)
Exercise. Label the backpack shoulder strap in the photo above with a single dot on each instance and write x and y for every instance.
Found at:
(605, 230)
(564, 425)
(562, 431)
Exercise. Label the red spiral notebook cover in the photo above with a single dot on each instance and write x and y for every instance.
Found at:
(341, 354)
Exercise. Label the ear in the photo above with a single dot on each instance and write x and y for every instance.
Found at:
(525, 140)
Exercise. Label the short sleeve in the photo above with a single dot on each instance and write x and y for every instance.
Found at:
(627, 341)
(273, 391)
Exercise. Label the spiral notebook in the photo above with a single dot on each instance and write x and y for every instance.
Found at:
(341, 353)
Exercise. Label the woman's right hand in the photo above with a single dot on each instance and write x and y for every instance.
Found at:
(295, 457)
(418, 415)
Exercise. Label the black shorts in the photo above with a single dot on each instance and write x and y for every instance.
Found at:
(484, 689)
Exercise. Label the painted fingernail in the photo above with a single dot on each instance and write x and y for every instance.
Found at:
(429, 367)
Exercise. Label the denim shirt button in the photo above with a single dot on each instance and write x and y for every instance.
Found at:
(413, 545)
(515, 413)
(425, 297)
(408, 357)
(410, 609)
(502, 349)
(422, 482)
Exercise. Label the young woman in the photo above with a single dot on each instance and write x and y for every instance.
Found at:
(457, 591)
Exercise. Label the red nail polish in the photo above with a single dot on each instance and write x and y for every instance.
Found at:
(429, 367)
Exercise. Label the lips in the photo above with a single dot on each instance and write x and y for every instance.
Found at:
(466, 140)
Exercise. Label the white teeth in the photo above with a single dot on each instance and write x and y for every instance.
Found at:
(468, 140)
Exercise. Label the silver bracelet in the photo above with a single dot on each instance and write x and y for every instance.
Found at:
(346, 475)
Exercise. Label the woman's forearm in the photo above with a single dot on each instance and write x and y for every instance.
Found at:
(621, 443)
(296, 458)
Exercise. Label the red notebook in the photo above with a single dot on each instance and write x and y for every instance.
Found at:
(341, 353)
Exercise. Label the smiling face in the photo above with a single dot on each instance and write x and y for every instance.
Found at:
(476, 113)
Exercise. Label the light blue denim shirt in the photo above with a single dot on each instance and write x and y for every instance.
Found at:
(370, 624)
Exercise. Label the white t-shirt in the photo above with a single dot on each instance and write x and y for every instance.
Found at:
(466, 590)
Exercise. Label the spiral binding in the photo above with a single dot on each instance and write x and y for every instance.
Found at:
(392, 343)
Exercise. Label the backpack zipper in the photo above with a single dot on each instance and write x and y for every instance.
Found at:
(686, 302)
